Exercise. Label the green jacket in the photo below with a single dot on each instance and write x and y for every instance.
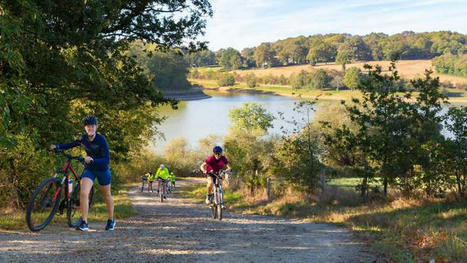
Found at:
(163, 174)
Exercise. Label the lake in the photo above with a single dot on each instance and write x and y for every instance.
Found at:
(199, 118)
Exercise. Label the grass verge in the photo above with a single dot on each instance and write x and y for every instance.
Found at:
(403, 230)
(15, 220)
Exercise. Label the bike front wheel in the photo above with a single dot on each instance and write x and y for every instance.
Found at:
(43, 204)
(218, 202)
(73, 208)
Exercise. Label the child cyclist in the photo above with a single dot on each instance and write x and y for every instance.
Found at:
(172, 180)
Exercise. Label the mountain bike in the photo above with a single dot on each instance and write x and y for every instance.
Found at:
(144, 178)
(55, 194)
(218, 197)
(160, 189)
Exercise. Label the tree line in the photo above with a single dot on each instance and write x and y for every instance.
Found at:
(451, 64)
(339, 48)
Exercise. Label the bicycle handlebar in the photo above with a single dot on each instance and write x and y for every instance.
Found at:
(79, 158)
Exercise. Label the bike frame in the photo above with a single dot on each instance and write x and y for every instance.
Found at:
(221, 191)
(65, 170)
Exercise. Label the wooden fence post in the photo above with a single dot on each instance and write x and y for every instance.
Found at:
(268, 185)
(322, 179)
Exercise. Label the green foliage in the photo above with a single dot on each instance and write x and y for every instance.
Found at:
(451, 64)
(352, 77)
(251, 80)
(397, 139)
(321, 51)
(201, 58)
(226, 79)
(250, 117)
(167, 68)
(296, 156)
(316, 79)
(249, 156)
(230, 59)
(319, 79)
(264, 55)
(60, 62)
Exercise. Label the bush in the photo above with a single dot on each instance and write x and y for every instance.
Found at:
(319, 79)
(226, 80)
(251, 80)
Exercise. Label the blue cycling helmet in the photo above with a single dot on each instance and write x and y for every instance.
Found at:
(90, 120)
(217, 149)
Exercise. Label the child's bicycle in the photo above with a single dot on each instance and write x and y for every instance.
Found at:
(144, 179)
(54, 195)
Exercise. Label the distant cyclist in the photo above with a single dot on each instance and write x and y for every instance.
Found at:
(150, 178)
(213, 164)
(96, 165)
(172, 179)
(162, 175)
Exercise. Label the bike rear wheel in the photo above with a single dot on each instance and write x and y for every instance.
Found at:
(43, 204)
(73, 209)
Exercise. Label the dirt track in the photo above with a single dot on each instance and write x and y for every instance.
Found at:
(180, 230)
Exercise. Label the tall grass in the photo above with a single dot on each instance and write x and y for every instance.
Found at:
(405, 230)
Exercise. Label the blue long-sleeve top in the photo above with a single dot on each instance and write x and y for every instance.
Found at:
(98, 149)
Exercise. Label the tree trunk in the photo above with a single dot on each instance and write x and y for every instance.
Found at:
(14, 184)
(385, 184)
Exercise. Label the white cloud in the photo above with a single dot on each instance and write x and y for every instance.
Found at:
(246, 23)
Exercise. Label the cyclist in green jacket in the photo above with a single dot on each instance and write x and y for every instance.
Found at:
(172, 179)
(150, 178)
(162, 175)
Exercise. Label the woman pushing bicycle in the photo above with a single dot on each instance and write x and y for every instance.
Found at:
(213, 164)
(96, 165)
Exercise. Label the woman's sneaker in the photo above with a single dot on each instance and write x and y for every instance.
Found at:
(110, 225)
(83, 226)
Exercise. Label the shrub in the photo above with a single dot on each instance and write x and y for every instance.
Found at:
(226, 80)
(251, 80)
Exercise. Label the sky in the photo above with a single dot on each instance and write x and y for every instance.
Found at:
(248, 23)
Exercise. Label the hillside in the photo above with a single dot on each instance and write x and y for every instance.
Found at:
(407, 69)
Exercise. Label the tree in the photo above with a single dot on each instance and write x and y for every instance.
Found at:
(296, 155)
(352, 77)
(251, 116)
(65, 60)
(456, 147)
(248, 154)
(201, 58)
(264, 55)
(393, 133)
(319, 79)
(248, 55)
(321, 51)
(230, 59)
(352, 49)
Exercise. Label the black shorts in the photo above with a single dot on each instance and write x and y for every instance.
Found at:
(213, 176)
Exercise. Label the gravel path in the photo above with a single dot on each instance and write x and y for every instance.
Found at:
(180, 230)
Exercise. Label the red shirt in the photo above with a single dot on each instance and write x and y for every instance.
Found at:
(215, 165)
